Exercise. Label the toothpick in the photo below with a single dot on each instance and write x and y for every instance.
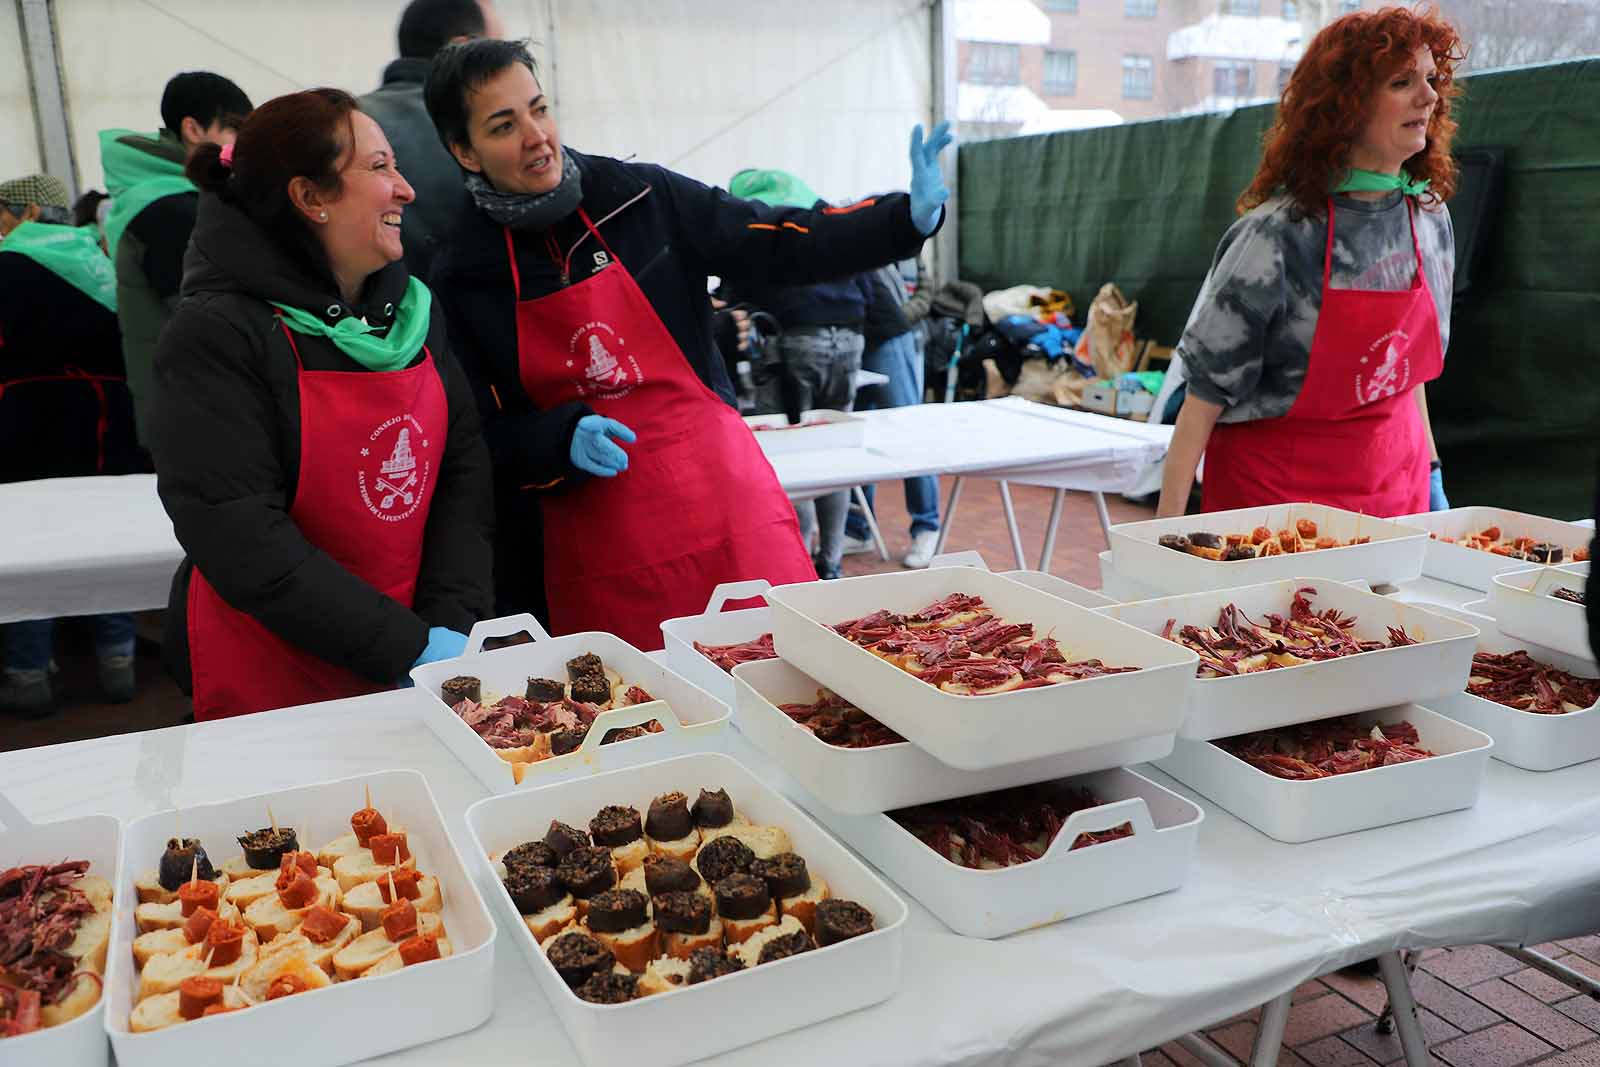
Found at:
(394, 895)
(369, 796)
(194, 868)
(209, 952)
(272, 819)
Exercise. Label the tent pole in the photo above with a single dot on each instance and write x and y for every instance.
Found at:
(36, 21)
(942, 60)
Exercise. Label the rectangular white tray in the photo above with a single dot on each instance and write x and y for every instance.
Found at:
(1394, 554)
(1063, 883)
(837, 429)
(1119, 587)
(703, 1020)
(691, 720)
(1476, 569)
(1305, 811)
(866, 780)
(349, 1021)
(1522, 605)
(1525, 739)
(1222, 707)
(98, 839)
(716, 627)
(975, 733)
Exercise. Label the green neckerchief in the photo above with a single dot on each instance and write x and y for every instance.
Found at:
(775, 188)
(71, 254)
(136, 177)
(1370, 181)
(356, 339)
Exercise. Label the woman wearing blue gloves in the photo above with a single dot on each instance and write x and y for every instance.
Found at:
(316, 445)
(576, 296)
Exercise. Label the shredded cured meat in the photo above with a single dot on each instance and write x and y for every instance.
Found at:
(961, 646)
(1238, 645)
(840, 723)
(1005, 828)
(40, 910)
(1519, 681)
(1572, 596)
(1326, 748)
(1489, 539)
(514, 722)
(727, 657)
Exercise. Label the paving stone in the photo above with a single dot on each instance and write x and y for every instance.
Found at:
(1506, 1045)
(1316, 1019)
(1367, 992)
(1540, 985)
(1334, 1052)
(1533, 1015)
(1450, 1004)
(1584, 1009)
(1470, 964)
(1587, 1056)
(1385, 1048)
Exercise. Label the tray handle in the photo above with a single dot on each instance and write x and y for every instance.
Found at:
(11, 816)
(727, 591)
(1097, 820)
(633, 715)
(503, 626)
(968, 558)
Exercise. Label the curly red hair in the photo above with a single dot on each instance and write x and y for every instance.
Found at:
(1326, 105)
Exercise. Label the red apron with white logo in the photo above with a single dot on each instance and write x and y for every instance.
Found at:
(1354, 438)
(367, 470)
(698, 505)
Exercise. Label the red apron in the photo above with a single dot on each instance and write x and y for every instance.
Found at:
(367, 469)
(1353, 438)
(698, 505)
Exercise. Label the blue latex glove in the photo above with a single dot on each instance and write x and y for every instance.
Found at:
(928, 192)
(592, 450)
(442, 644)
(1437, 501)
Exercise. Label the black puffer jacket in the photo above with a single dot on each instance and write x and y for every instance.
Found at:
(226, 439)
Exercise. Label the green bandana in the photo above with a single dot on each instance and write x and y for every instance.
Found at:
(73, 255)
(775, 188)
(1370, 181)
(136, 178)
(357, 340)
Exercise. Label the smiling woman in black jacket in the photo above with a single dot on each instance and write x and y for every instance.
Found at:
(316, 446)
(576, 292)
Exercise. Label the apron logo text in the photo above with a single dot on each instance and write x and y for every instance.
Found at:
(1384, 373)
(396, 490)
(607, 369)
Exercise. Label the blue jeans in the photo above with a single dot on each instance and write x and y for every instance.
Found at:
(822, 362)
(30, 645)
(901, 359)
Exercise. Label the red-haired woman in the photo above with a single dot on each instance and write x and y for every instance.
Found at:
(1328, 303)
(316, 445)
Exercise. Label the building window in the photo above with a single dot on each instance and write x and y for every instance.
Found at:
(1284, 74)
(1070, 7)
(1291, 11)
(1139, 9)
(1241, 7)
(1349, 7)
(994, 64)
(1138, 77)
(1060, 73)
(1235, 81)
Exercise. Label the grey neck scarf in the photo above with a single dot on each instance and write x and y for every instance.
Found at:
(521, 211)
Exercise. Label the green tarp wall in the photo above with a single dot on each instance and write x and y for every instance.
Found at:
(1518, 407)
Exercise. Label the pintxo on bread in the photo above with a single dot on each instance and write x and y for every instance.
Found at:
(49, 912)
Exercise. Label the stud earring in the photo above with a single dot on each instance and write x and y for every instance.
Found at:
(323, 216)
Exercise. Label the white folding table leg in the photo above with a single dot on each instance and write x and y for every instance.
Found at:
(1206, 1051)
(1105, 516)
(1050, 530)
(1011, 524)
(1404, 1007)
(1269, 1037)
(1560, 972)
(872, 522)
(949, 517)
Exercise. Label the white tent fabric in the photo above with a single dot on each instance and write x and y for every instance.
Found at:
(19, 142)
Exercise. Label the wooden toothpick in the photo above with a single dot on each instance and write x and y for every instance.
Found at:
(394, 894)
(272, 819)
(194, 868)
(369, 796)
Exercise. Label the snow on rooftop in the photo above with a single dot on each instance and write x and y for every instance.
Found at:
(1002, 22)
(1265, 39)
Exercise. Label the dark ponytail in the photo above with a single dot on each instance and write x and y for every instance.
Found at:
(205, 169)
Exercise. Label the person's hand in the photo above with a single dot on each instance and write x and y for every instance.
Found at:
(442, 644)
(928, 192)
(1437, 501)
(592, 449)
(741, 324)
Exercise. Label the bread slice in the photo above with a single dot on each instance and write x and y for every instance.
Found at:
(360, 867)
(243, 892)
(163, 973)
(803, 906)
(366, 903)
(750, 951)
(160, 1012)
(320, 954)
(365, 951)
(630, 856)
(738, 931)
(557, 917)
(392, 962)
(663, 976)
(682, 849)
(633, 948)
(81, 997)
(680, 946)
(149, 889)
(538, 750)
(765, 841)
(293, 962)
(269, 918)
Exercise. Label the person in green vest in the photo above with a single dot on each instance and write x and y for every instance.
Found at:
(64, 408)
(153, 210)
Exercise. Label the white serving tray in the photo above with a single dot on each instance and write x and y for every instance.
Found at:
(1476, 569)
(728, 1012)
(866, 780)
(1521, 738)
(835, 429)
(1222, 707)
(1306, 811)
(978, 732)
(716, 627)
(1394, 554)
(691, 719)
(98, 839)
(1521, 603)
(349, 1021)
(1119, 587)
(1062, 884)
